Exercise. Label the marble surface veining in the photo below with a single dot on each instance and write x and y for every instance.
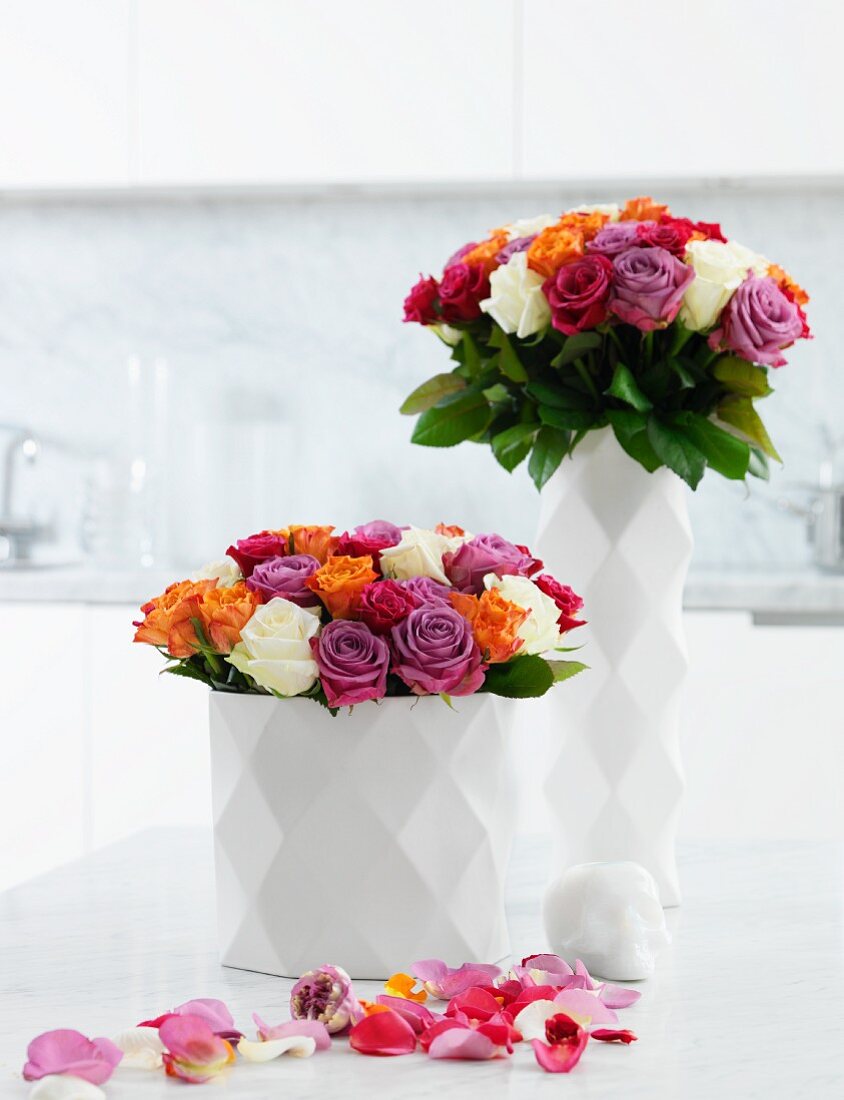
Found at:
(744, 1004)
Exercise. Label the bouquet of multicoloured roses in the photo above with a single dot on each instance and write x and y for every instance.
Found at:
(378, 611)
(656, 326)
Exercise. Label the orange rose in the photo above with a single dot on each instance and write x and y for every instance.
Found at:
(450, 530)
(788, 285)
(316, 541)
(589, 225)
(643, 209)
(223, 613)
(340, 582)
(484, 254)
(553, 248)
(495, 623)
(177, 604)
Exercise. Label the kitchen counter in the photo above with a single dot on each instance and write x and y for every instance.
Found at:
(746, 1003)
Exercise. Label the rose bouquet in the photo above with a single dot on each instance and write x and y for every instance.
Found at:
(655, 326)
(378, 611)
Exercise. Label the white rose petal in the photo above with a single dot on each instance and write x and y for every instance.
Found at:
(611, 209)
(532, 1019)
(298, 1046)
(142, 1048)
(719, 270)
(516, 301)
(225, 572)
(526, 227)
(274, 647)
(65, 1087)
(418, 554)
(540, 630)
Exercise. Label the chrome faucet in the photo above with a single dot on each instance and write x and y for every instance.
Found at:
(17, 532)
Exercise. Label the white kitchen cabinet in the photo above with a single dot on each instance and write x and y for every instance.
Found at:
(267, 91)
(680, 87)
(64, 93)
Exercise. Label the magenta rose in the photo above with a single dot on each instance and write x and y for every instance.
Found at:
(428, 591)
(352, 662)
(420, 306)
(462, 288)
(758, 322)
(257, 548)
(566, 599)
(382, 604)
(614, 238)
(672, 234)
(578, 294)
(285, 577)
(434, 652)
(467, 566)
(648, 287)
(369, 538)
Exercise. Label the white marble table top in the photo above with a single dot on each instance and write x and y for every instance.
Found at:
(747, 1002)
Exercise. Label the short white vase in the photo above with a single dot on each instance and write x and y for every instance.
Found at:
(621, 537)
(369, 840)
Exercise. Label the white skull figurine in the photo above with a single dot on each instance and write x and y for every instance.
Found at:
(609, 915)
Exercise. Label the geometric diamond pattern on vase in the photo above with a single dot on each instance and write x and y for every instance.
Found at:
(621, 538)
(368, 840)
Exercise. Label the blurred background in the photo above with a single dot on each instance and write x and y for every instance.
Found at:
(210, 212)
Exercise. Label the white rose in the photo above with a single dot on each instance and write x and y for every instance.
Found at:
(274, 648)
(419, 554)
(719, 269)
(225, 572)
(540, 631)
(611, 209)
(526, 227)
(516, 301)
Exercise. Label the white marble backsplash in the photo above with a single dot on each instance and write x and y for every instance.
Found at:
(280, 321)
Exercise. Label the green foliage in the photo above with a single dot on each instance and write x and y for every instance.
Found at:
(549, 449)
(454, 419)
(431, 392)
(522, 678)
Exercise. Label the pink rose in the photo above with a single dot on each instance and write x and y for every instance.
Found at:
(566, 599)
(758, 322)
(467, 566)
(257, 548)
(382, 604)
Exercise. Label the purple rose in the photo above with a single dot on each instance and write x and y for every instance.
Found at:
(467, 566)
(434, 651)
(520, 244)
(352, 662)
(758, 321)
(428, 591)
(285, 577)
(459, 254)
(648, 287)
(370, 538)
(614, 238)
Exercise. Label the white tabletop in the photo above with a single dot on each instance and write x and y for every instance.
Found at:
(747, 1002)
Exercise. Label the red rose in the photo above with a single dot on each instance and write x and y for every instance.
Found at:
(672, 234)
(358, 546)
(420, 304)
(462, 289)
(578, 294)
(537, 564)
(382, 604)
(711, 230)
(565, 598)
(257, 548)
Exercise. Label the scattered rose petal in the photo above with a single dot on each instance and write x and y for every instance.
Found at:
(417, 1015)
(213, 1012)
(533, 1017)
(587, 1008)
(401, 985)
(298, 1046)
(312, 1028)
(531, 994)
(65, 1088)
(464, 1043)
(194, 1053)
(617, 996)
(444, 982)
(566, 1043)
(607, 1035)
(384, 1033)
(65, 1051)
(476, 1003)
(142, 1048)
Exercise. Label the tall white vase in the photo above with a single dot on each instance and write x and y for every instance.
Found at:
(369, 840)
(621, 537)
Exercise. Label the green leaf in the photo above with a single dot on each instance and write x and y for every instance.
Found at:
(575, 346)
(549, 448)
(497, 393)
(513, 445)
(687, 379)
(624, 387)
(431, 392)
(189, 671)
(509, 363)
(723, 452)
(742, 377)
(679, 454)
(740, 413)
(631, 431)
(471, 355)
(558, 397)
(564, 670)
(567, 419)
(459, 418)
(522, 678)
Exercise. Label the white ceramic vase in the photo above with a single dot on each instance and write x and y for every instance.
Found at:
(621, 537)
(368, 840)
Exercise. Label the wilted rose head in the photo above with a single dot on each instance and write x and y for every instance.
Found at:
(326, 994)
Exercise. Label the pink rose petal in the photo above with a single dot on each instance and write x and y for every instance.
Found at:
(417, 1015)
(194, 1053)
(313, 1029)
(65, 1051)
(443, 982)
(561, 1057)
(585, 1006)
(463, 1043)
(606, 1035)
(383, 1033)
